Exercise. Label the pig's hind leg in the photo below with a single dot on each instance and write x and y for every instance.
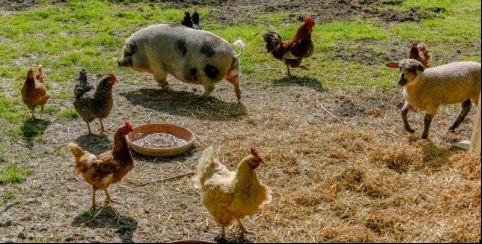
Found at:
(233, 78)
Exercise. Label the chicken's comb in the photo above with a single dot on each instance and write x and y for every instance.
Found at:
(128, 125)
(256, 155)
(309, 22)
(112, 76)
(30, 72)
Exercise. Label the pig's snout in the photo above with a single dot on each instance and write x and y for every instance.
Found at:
(124, 62)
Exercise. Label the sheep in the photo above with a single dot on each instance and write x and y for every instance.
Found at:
(428, 88)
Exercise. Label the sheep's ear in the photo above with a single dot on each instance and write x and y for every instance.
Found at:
(392, 64)
(421, 67)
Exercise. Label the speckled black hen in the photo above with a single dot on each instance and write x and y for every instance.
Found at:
(94, 103)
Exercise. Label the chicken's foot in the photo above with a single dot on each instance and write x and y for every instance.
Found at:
(109, 200)
(93, 218)
(88, 127)
(102, 125)
(303, 67)
(222, 237)
(289, 73)
(244, 230)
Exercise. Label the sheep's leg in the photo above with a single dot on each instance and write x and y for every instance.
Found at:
(426, 122)
(465, 110)
(407, 107)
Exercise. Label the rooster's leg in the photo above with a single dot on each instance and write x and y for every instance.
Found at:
(101, 125)
(42, 109)
(31, 112)
(289, 73)
(244, 230)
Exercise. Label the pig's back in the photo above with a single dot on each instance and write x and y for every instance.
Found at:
(176, 37)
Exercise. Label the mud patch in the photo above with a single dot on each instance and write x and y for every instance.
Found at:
(249, 11)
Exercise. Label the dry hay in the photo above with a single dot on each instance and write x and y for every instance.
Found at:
(337, 174)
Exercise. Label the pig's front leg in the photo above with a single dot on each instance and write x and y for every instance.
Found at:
(208, 88)
(160, 77)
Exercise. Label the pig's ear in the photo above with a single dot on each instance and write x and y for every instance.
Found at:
(130, 48)
(392, 64)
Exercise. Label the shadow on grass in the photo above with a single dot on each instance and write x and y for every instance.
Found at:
(33, 128)
(300, 81)
(108, 218)
(186, 104)
(95, 144)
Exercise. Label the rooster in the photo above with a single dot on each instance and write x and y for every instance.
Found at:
(107, 168)
(420, 53)
(191, 22)
(94, 103)
(294, 50)
(34, 92)
(229, 195)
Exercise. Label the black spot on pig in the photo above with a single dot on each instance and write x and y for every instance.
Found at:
(207, 50)
(211, 71)
(181, 45)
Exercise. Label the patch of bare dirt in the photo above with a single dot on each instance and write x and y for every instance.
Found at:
(246, 11)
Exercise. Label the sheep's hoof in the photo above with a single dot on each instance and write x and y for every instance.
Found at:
(452, 129)
(409, 130)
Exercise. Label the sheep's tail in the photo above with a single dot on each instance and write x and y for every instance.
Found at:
(239, 44)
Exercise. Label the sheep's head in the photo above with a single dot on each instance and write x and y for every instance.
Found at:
(410, 69)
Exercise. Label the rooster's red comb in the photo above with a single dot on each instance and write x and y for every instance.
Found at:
(128, 125)
(112, 77)
(256, 155)
(309, 22)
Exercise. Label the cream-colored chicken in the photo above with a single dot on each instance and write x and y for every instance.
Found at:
(229, 195)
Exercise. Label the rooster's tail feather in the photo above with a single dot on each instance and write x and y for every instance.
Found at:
(272, 40)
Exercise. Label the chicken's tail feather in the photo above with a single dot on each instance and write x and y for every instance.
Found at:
(76, 151)
(423, 48)
(272, 40)
(206, 162)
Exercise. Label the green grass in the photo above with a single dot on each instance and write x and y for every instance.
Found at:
(69, 113)
(8, 196)
(13, 174)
